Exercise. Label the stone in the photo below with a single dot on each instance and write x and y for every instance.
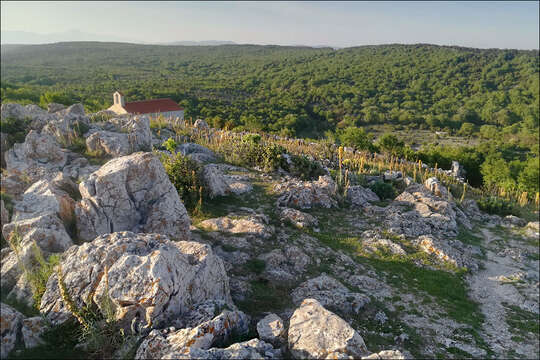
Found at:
(316, 333)
(200, 124)
(131, 193)
(511, 220)
(197, 152)
(219, 184)
(133, 135)
(33, 113)
(271, 329)
(391, 175)
(4, 214)
(10, 323)
(22, 292)
(54, 107)
(307, 194)
(330, 292)
(37, 156)
(457, 170)
(386, 355)
(251, 349)
(360, 196)
(4, 147)
(372, 242)
(434, 185)
(32, 329)
(149, 279)
(159, 344)
(448, 250)
(417, 211)
(297, 218)
(283, 265)
(252, 224)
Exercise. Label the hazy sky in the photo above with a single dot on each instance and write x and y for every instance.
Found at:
(475, 24)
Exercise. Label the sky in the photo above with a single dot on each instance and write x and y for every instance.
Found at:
(340, 24)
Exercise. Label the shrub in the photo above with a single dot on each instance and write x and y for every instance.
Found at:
(383, 190)
(495, 205)
(185, 175)
(250, 153)
(305, 168)
(170, 145)
(15, 129)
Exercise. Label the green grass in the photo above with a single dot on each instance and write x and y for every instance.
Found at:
(468, 237)
(266, 297)
(256, 266)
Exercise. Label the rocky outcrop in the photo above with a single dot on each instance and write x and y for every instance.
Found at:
(38, 156)
(434, 185)
(200, 124)
(197, 152)
(32, 113)
(297, 218)
(10, 324)
(4, 214)
(149, 279)
(252, 224)
(449, 251)
(32, 329)
(330, 293)
(219, 184)
(69, 123)
(164, 344)
(131, 193)
(307, 194)
(385, 355)
(316, 333)
(54, 107)
(417, 211)
(271, 329)
(360, 196)
(284, 264)
(132, 135)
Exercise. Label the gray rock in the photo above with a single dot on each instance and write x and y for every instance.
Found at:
(316, 333)
(330, 292)
(307, 194)
(219, 184)
(32, 329)
(10, 320)
(4, 214)
(297, 218)
(200, 124)
(360, 196)
(54, 107)
(457, 170)
(511, 220)
(161, 344)
(134, 135)
(434, 185)
(150, 280)
(4, 147)
(131, 193)
(252, 224)
(271, 329)
(390, 175)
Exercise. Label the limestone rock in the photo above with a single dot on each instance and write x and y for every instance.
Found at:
(22, 292)
(36, 115)
(450, 251)
(4, 147)
(511, 220)
(385, 355)
(359, 196)
(316, 333)
(38, 155)
(54, 107)
(286, 264)
(330, 292)
(4, 214)
(10, 323)
(161, 344)
(32, 329)
(151, 280)
(251, 349)
(271, 329)
(457, 170)
(252, 224)
(197, 152)
(390, 175)
(372, 241)
(131, 193)
(307, 194)
(200, 124)
(297, 218)
(133, 135)
(417, 211)
(434, 185)
(219, 184)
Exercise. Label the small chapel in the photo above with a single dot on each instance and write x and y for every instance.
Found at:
(153, 108)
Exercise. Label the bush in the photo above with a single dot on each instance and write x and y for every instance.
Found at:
(170, 145)
(15, 129)
(185, 175)
(383, 190)
(305, 168)
(251, 153)
(495, 205)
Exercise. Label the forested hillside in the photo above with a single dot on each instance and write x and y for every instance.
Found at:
(308, 92)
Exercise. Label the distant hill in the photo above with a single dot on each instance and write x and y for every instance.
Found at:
(25, 37)
(198, 43)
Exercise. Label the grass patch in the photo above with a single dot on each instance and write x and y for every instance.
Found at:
(521, 321)
(467, 237)
(266, 297)
(256, 266)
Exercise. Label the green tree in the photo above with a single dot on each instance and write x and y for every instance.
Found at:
(356, 137)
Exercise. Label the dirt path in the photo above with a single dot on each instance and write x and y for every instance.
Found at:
(493, 286)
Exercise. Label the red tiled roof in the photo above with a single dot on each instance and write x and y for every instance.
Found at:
(151, 106)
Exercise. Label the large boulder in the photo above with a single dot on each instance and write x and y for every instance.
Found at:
(36, 116)
(316, 333)
(307, 194)
(417, 211)
(68, 124)
(131, 193)
(297, 218)
(271, 329)
(197, 152)
(360, 196)
(149, 279)
(133, 135)
(217, 183)
(251, 224)
(10, 324)
(36, 157)
(164, 344)
(330, 293)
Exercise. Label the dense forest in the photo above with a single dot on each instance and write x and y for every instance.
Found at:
(314, 92)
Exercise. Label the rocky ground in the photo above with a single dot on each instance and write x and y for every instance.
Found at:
(271, 266)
